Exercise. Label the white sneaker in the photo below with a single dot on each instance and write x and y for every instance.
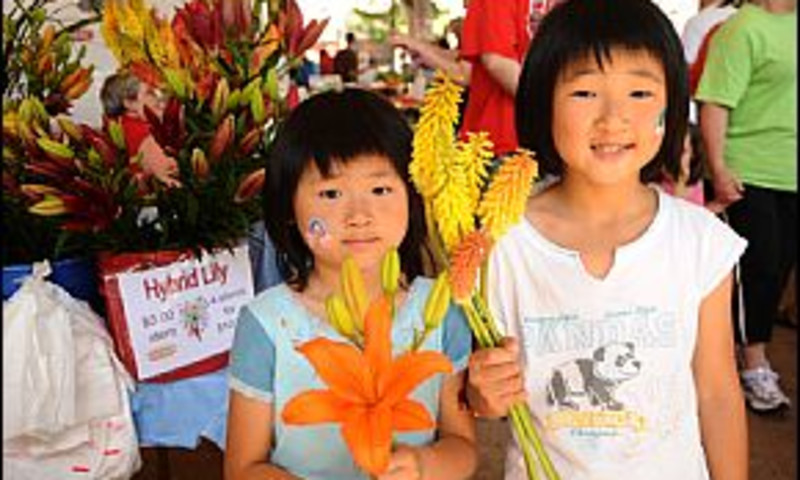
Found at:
(761, 390)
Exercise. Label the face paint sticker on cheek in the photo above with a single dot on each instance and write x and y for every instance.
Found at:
(316, 227)
(318, 231)
(661, 122)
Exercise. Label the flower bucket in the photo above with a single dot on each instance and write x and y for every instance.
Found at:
(76, 275)
(171, 315)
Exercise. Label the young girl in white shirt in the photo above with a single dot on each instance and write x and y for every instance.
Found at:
(615, 297)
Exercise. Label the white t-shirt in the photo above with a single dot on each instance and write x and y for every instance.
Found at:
(698, 26)
(608, 362)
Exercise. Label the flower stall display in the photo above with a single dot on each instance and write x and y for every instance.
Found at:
(222, 68)
(369, 386)
(470, 201)
(43, 75)
(172, 252)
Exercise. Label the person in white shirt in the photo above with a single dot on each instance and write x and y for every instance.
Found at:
(696, 28)
(614, 296)
(711, 13)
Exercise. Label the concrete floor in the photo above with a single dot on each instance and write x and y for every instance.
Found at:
(773, 439)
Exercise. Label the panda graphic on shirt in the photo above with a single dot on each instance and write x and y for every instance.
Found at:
(590, 383)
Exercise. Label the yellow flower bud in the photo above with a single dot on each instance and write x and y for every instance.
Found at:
(50, 206)
(339, 316)
(353, 290)
(390, 272)
(437, 303)
(219, 104)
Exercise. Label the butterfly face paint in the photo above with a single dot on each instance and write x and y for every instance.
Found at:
(317, 228)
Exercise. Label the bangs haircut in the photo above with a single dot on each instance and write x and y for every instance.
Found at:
(590, 29)
(328, 128)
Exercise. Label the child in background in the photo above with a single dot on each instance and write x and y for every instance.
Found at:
(337, 183)
(687, 182)
(614, 295)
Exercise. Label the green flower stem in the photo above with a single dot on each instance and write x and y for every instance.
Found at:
(487, 318)
(524, 414)
(483, 284)
(486, 333)
(477, 326)
(530, 461)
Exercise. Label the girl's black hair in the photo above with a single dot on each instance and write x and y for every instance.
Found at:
(330, 127)
(579, 29)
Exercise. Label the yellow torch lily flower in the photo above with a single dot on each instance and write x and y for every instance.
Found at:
(503, 204)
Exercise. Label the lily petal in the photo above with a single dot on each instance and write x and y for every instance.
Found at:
(378, 335)
(315, 406)
(342, 367)
(368, 434)
(408, 371)
(410, 415)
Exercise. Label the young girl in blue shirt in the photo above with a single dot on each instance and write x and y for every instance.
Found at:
(337, 184)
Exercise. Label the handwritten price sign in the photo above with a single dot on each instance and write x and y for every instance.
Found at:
(186, 311)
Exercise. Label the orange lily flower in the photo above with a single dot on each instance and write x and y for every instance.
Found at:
(368, 390)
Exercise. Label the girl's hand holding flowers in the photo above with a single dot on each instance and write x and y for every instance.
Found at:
(495, 381)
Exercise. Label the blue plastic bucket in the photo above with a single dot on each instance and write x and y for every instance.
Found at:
(75, 275)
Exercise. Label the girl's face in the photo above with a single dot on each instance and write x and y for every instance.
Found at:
(609, 123)
(360, 209)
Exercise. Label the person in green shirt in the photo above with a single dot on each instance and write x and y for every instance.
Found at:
(748, 120)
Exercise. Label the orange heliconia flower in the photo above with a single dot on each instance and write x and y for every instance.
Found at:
(368, 390)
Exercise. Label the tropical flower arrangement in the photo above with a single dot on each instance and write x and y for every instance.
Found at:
(44, 74)
(75, 176)
(40, 60)
(470, 201)
(222, 68)
(368, 390)
(224, 72)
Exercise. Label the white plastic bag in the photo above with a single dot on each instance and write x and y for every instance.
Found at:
(66, 411)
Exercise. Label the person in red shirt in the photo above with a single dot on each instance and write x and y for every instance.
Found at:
(124, 98)
(325, 62)
(495, 37)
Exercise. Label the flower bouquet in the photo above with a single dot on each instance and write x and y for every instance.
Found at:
(224, 71)
(368, 388)
(225, 74)
(43, 75)
(470, 202)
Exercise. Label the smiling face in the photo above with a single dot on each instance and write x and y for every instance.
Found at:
(361, 208)
(609, 122)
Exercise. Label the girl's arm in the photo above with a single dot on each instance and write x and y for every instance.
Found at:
(722, 417)
(249, 441)
(453, 456)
